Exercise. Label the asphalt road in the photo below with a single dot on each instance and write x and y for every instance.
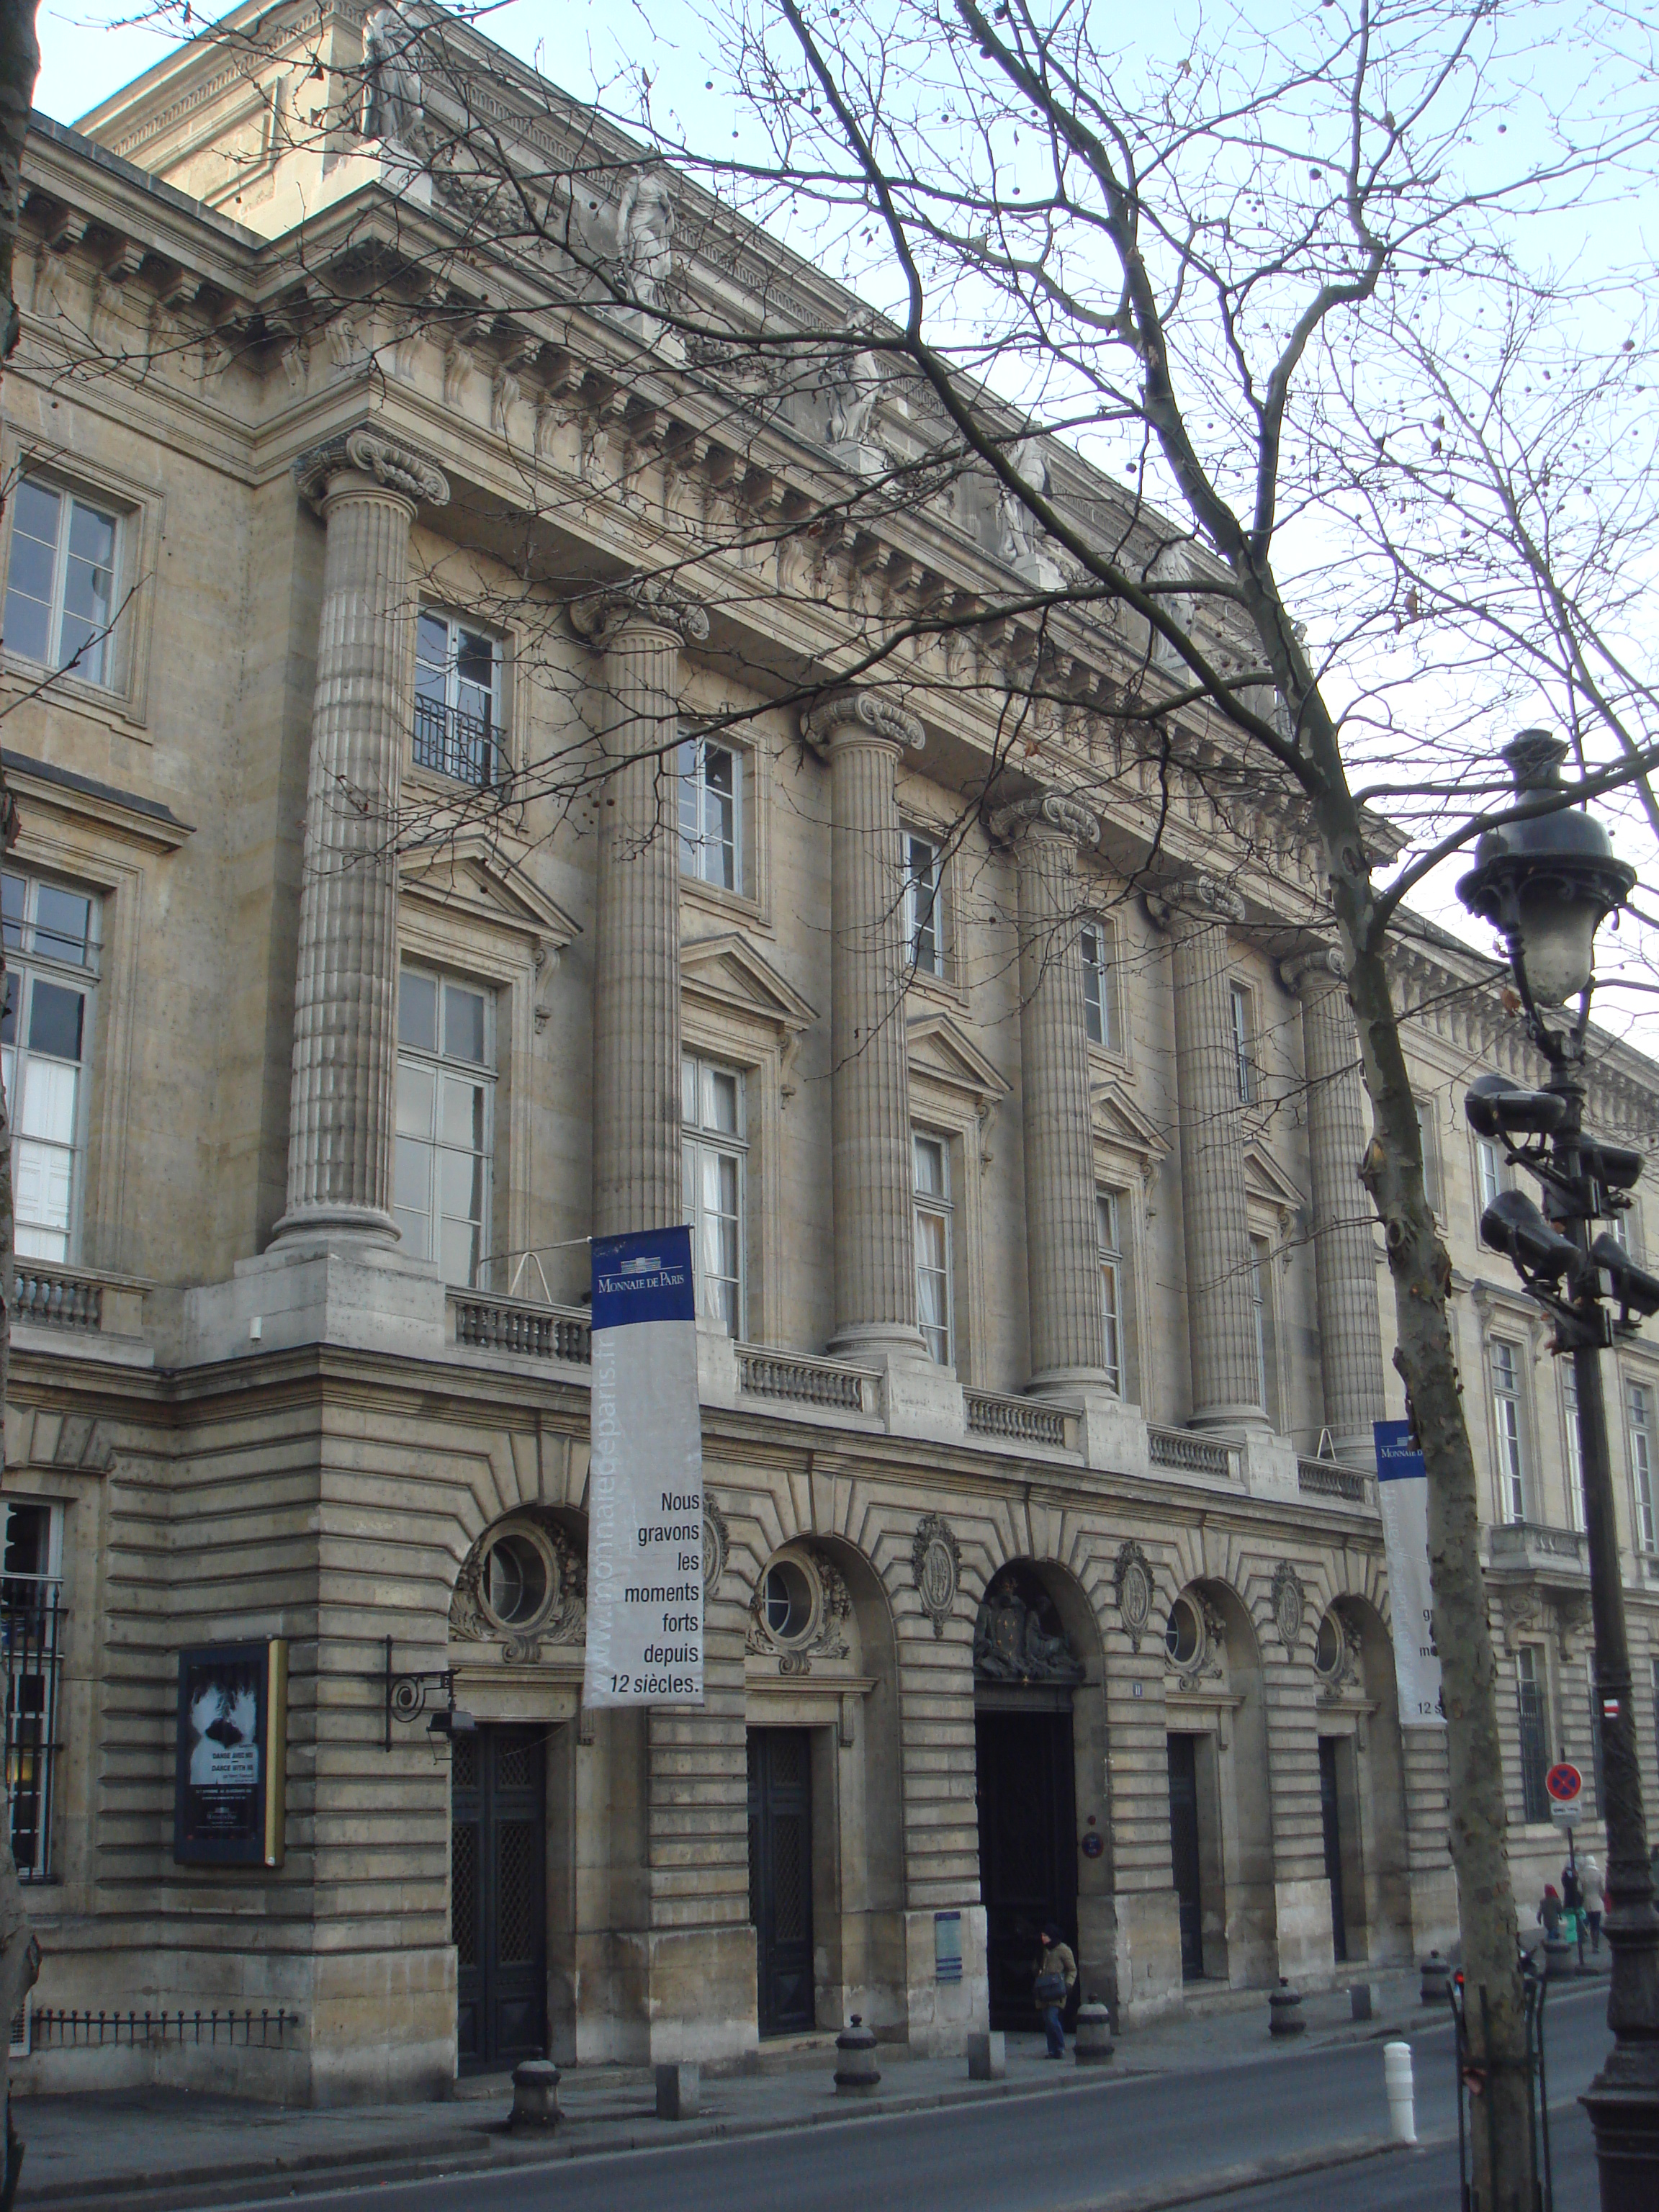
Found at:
(1070, 2152)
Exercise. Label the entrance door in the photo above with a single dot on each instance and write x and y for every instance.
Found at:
(1184, 1853)
(780, 1877)
(498, 1895)
(1027, 1849)
(1329, 1814)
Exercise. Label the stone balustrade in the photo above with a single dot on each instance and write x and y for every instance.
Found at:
(806, 1382)
(1016, 1421)
(1324, 1478)
(1180, 1449)
(513, 1325)
(50, 1296)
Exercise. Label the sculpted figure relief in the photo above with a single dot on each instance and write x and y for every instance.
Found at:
(645, 237)
(393, 93)
(1011, 1643)
(1019, 538)
(853, 384)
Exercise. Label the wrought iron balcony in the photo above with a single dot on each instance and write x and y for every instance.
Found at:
(462, 746)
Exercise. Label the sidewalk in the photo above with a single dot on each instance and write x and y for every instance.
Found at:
(146, 2149)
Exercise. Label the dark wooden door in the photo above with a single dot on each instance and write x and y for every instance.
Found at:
(780, 1877)
(498, 1895)
(1184, 1853)
(1027, 1849)
(1332, 1825)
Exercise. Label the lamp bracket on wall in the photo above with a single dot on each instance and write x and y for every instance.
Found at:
(406, 1697)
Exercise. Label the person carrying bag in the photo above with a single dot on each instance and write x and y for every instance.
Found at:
(1056, 1972)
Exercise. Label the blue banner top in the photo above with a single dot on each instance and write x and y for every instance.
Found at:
(645, 1276)
(1396, 1462)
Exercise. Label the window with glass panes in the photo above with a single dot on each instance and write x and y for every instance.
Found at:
(1492, 1175)
(30, 1617)
(1638, 1409)
(446, 1117)
(1533, 1734)
(45, 1034)
(924, 909)
(1507, 1424)
(1243, 1040)
(711, 813)
(932, 1160)
(60, 580)
(1099, 984)
(1430, 1143)
(458, 700)
(1261, 1304)
(1574, 1457)
(1107, 1235)
(713, 1149)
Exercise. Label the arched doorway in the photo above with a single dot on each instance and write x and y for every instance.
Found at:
(1362, 1785)
(1221, 1813)
(1040, 1766)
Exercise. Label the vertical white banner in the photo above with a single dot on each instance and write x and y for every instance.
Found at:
(1402, 1495)
(645, 1487)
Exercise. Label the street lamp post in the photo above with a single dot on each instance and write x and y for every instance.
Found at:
(1547, 880)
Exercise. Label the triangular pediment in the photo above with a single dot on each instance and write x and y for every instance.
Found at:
(471, 874)
(941, 1051)
(1119, 1121)
(1266, 1180)
(727, 971)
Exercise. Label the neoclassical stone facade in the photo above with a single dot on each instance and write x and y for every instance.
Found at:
(445, 872)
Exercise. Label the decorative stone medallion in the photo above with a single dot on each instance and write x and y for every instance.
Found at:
(936, 1561)
(1290, 1604)
(524, 1583)
(715, 1545)
(1131, 1579)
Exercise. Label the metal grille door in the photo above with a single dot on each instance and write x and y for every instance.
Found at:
(1332, 1826)
(780, 1876)
(1027, 1849)
(498, 1895)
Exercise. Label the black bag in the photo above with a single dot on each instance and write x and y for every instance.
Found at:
(1050, 1989)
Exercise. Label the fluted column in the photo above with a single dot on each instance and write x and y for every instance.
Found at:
(864, 736)
(1062, 1261)
(1343, 1233)
(1220, 1314)
(637, 1177)
(345, 1000)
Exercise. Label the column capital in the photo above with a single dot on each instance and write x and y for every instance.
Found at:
(1324, 969)
(1051, 811)
(641, 602)
(866, 716)
(365, 453)
(1197, 899)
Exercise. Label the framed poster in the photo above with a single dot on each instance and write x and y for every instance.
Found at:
(230, 1781)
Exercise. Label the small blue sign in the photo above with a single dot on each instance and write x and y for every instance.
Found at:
(645, 1276)
(1396, 1459)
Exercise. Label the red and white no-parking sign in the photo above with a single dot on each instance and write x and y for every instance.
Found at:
(1563, 1783)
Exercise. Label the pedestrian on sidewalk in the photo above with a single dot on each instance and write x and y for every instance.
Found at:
(1596, 1893)
(1056, 1971)
(1549, 1911)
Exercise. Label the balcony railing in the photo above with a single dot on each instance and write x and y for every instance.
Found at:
(1324, 1478)
(1016, 1421)
(1189, 1455)
(463, 746)
(1536, 1545)
(805, 1381)
(53, 1298)
(530, 1332)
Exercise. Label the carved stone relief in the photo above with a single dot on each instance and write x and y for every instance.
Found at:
(716, 1544)
(1013, 1641)
(936, 1562)
(825, 1634)
(1290, 1605)
(1131, 1579)
(504, 1599)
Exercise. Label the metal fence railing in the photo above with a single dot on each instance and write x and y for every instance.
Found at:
(31, 1662)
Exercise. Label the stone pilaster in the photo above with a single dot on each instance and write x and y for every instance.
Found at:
(637, 1178)
(864, 736)
(346, 1003)
(1344, 1235)
(1061, 1252)
(1226, 1376)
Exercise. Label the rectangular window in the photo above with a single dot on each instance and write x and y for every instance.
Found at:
(1429, 1140)
(445, 1122)
(1491, 1174)
(711, 813)
(1575, 1464)
(1639, 1405)
(924, 908)
(45, 1033)
(932, 1156)
(1506, 1416)
(1107, 1233)
(457, 701)
(1243, 1042)
(714, 1153)
(1534, 1734)
(1262, 1301)
(1100, 985)
(60, 581)
(30, 1613)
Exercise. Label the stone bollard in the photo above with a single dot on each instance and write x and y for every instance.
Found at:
(534, 2094)
(856, 2071)
(987, 2057)
(1437, 1980)
(1285, 2011)
(1557, 1958)
(679, 2089)
(1094, 2034)
(1397, 2081)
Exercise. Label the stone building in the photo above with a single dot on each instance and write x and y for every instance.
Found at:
(1041, 1335)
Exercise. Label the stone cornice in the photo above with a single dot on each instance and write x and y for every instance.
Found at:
(365, 453)
(864, 715)
(637, 602)
(1049, 809)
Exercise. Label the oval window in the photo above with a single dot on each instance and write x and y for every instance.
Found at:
(518, 1582)
(789, 1602)
(1181, 1636)
(1327, 1652)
